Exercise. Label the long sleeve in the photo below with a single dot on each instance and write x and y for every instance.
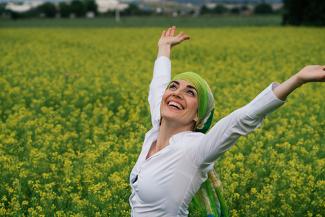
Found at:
(161, 78)
(240, 122)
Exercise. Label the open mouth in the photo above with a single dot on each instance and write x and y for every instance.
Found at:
(174, 105)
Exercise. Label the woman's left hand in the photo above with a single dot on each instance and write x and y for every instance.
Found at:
(167, 37)
(311, 73)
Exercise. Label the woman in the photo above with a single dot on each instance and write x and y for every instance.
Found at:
(179, 151)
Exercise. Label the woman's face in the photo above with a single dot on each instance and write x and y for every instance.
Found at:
(180, 103)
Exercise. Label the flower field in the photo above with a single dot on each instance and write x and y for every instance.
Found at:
(74, 112)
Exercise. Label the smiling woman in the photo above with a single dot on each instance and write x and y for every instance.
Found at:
(179, 150)
(179, 104)
(191, 89)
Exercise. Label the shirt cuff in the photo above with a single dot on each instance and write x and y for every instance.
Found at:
(265, 102)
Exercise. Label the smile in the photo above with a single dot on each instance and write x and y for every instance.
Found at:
(175, 105)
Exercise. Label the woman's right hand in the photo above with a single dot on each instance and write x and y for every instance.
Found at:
(168, 38)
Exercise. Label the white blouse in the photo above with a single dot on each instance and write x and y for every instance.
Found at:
(164, 184)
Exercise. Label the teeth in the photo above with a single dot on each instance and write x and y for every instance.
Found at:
(179, 106)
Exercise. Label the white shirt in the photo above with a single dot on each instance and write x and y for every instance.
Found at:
(164, 184)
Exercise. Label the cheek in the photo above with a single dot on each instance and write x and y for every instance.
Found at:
(165, 95)
(193, 105)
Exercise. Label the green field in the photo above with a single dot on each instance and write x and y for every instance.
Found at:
(151, 21)
(74, 111)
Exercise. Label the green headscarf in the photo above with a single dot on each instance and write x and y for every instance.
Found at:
(205, 99)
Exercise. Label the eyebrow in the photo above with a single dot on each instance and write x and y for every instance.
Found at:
(189, 86)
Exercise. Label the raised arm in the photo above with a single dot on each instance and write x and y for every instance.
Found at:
(247, 118)
(228, 129)
(311, 73)
(162, 70)
(159, 82)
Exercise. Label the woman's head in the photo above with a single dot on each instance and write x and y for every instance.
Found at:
(188, 100)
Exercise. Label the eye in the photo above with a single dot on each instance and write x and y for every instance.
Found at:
(172, 86)
(191, 92)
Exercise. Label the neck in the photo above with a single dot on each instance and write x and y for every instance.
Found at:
(168, 129)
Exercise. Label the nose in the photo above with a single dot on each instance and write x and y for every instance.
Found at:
(178, 94)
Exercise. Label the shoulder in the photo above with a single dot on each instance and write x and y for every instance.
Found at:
(194, 135)
(188, 138)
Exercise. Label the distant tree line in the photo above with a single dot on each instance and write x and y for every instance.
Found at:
(294, 12)
(132, 10)
(304, 12)
(262, 8)
(77, 8)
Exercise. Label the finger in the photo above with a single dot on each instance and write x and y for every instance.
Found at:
(186, 37)
(173, 30)
(180, 35)
(163, 34)
(320, 67)
(183, 35)
(168, 32)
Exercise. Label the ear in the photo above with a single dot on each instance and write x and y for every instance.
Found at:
(196, 118)
(195, 121)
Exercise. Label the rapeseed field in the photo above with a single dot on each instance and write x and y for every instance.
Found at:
(74, 110)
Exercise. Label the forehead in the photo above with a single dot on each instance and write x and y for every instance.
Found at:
(183, 83)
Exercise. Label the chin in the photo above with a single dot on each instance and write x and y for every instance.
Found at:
(172, 114)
